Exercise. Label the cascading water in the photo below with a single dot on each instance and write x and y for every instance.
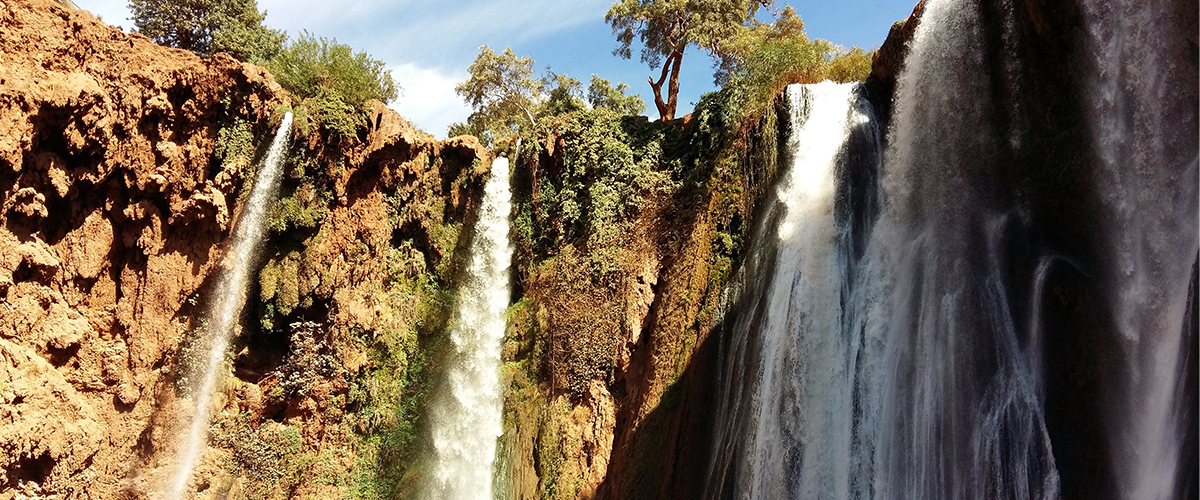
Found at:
(795, 431)
(1145, 131)
(229, 297)
(961, 415)
(1020, 322)
(467, 412)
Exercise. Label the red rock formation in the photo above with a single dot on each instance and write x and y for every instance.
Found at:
(111, 217)
(113, 211)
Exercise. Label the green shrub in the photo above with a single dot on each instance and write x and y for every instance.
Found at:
(312, 66)
(304, 207)
(270, 457)
(333, 82)
(208, 26)
(768, 57)
(852, 65)
(234, 148)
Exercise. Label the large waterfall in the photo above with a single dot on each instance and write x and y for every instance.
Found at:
(467, 412)
(792, 405)
(1004, 306)
(229, 295)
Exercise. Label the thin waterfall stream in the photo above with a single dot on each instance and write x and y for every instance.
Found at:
(229, 296)
(467, 412)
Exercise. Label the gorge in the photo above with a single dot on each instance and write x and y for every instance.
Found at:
(972, 275)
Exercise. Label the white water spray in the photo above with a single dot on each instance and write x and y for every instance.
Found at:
(953, 362)
(467, 414)
(1145, 128)
(229, 297)
(801, 411)
(805, 380)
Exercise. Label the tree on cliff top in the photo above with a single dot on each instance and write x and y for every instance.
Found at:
(602, 95)
(333, 81)
(502, 90)
(506, 96)
(312, 65)
(209, 26)
(667, 27)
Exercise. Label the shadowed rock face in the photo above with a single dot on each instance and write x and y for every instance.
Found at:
(888, 61)
(114, 209)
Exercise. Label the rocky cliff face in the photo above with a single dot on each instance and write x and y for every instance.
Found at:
(112, 216)
(121, 167)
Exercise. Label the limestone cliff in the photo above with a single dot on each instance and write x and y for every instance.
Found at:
(121, 167)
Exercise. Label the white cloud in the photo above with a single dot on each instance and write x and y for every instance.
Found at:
(428, 100)
(112, 12)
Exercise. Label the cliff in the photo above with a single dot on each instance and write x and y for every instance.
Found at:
(122, 169)
(627, 233)
(123, 165)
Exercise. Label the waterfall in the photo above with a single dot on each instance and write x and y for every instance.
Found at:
(228, 299)
(961, 415)
(1143, 114)
(1005, 306)
(793, 431)
(467, 411)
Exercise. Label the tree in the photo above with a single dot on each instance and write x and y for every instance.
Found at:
(502, 91)
(565, 95)
(667, 27)
(209, 26)
(853, 65)
(602, 95)
(762, 58)
(312, 66)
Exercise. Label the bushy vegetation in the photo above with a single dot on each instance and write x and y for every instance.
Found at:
(762, 59)
(209, 26)
(311, 66)
(602, 95)
(331, 80)
(507, 99)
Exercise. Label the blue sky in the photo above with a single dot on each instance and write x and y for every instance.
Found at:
(428, 45)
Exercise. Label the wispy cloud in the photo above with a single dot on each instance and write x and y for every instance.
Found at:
(428, 100)
(432, 34)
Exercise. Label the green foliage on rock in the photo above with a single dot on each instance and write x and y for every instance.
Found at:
(610, 163)
(606, 204)
(269, 458)
(602, 95)
(208, 26)
(332, 81)
(234, 148)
